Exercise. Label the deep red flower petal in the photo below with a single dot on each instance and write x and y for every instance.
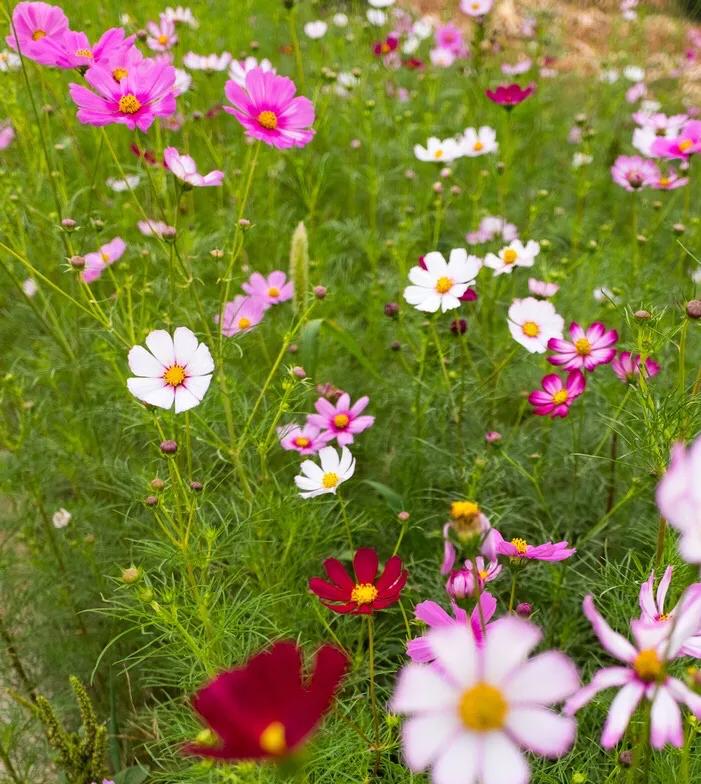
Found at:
(389, 576)
(365, 565)
(327, 591)
(338, 574)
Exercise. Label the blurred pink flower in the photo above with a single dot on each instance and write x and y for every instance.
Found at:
(7, 135)
(241, 315)
(185, 169)
(271, 290)
(652, 608)
(96, 263)
(679, 498)
(542, 288)
(35, 25)
(633, 172)
(519, 548)
(683, 146)
(161, 35)
(627, 366)
(510, 95)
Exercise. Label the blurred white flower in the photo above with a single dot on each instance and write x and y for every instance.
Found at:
(376, 17)
(316, 29)
(61, 518)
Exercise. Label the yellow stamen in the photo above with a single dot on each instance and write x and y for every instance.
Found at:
(648, 666)
(531, 329)
(663, 182)
(363, 593)
(329, 480)
(162, 39)
(268, 120)
(520, 544)
(509, 256)
(685, 145)
(175, 375)
(244, 323)
(302, 441)
(341, 420)
(105, 256)
(444, 285)
(37, 35)
(438, 154)
(560, 397)
(477, 146)
(273, 291)
(385, 48)
(482, 708)
(464, 510)
(272, 739)
(129, 104)
(83, 53)
(119, 73)
(583, 347)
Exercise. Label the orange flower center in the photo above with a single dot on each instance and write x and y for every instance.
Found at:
(129, 104)
(175, 375)
(520, 545)
(685, 145)
(244, 323)
(273, 291)
(509, 256)
(162, 39)
(444, 285)
(363, 593)
(330, 480)
(272, 739)
(268, 120)
(302, 441)
(119, 73)
(104, 256)
(483, 708)
(531, 329)
(385, 48)
(37, 35)
(648, 666)
(477, 146)
(83, 53)
(560, 397)
(583, 347)
(341, 420)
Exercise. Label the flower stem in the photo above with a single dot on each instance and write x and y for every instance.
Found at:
(373, 691)
(512, 596)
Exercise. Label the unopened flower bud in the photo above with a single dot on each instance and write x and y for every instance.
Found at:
(216, 253)
(403, 517)
(299, 372)
(151, 500)
(410, 174)
(693, 309)
(524, 610)
(320, 292)
(355, 144)
(458, 326)
(642, 315)
(446, 171)
(157, 483)
(169, 447)
(77, 262)
(492, 437)
(293, 348)
(391, 309)
(130, 575)
(68, 224)
(395, 345)
(455, 190)
(196, 486)
(625, 758)
(679, 228)
(437, 187)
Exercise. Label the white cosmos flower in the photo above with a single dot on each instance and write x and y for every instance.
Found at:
(183, 80)
(315, 29)
(381, 3)
(634, 73)
(9, 61)
(376, 17)
(340, 20)
(514, 255)
(442, 283)
(423, 28)
(208, 62)
(128, 183)
(239, 68)
(181, 15)
(475, 142)
(175, 370)
(61, 518)
(437, 150)
(580, 159)
(334, 470)
(29, 287)
(532, 322)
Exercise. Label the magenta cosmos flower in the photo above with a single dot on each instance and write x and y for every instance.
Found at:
(307, 439)
(633, 172)
(34, 26)
(464, 582)
(269, 109)
(627, 366)
(74, 50)
(510, 95)
(185, 169)
(556, 397)
(146, 92)
(271, 290)
(96, 263)
(241, 315)
(652, 609)
(341, 421)
(644, 675)
(683, 146)
(519, 548)
(587, 349)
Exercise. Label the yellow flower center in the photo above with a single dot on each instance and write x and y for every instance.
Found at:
(464, 510)
(83, 53)
(685, 145)
(475, 6)
(443, 285)
(272, 739)
(330, 479)
(483, 574)
(663, 182)
(364, 593)
(37, 35)
(341, 420)
(119, 73)
(663, 617)
(560, 397)
(104, 256)
(162, 39)
(483, 708)
(129, 104)
(477, 146)
(268, 120)
(509, 256)
(273, 291)
(648, 666)
(583, 347)
(520, 545)
(302, 441)
(531, 329)
(244, 323)
(174, 376)
(385, 48)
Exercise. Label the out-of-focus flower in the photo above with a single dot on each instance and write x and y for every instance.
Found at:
(442, 58)
(586, 350)
(438, 151)
(449, 37)
(207, 62)
(185, 169)
(580, 159)
(306, 439)
(7, 135)
(9, 61)
(533, 322)
(376, 17)
(240, 68)
(652, 609)
(251, 722)
(514, 255)
(241, 315)
(519, 548)
(271, 290)
(161, 35)
(510, 95)
(386, 46)
(155, 228)
(36, 25)
(441, 284)
(633, 172)
(490, 227)
(520, 67)
(334, 469)
(120, 185)
(340, 20)
(627, 366)
(175, 370)
(341, 421)
(669, 181)
(683, 146)
(542, 288)
(316, 29)
(29, 287)
(61, 518)
(97, 262)
(476, 8)
(475, 142)
(181, 15)
(679, 498)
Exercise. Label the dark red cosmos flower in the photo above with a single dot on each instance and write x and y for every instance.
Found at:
(413, 63)
(510, 95)
(382, 48)
(146, 155)
(266, 708)
(367, 592)
(470, 294)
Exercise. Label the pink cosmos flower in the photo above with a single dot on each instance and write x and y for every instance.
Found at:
(635, 92)
(35, 24)
(519, 548)
(7, 135)
(510, 95)
(241, 315)
(341, 421)
(449, 37)
(271, 290)
(270, 111)
(683, 146)
(463, 582)
(587, 349)
(515, 69)
(96, 263)
(541, 288)
(633, 172)
(490, 227)
(679, 498)
(145, 93)
(307, 439)
(492, 437)
(476, 8)
(627, 366)
(73, 49)
(435, 617)
(473, 709)
(669, 181)
(161, 35)
(643, 676)
(155, 228)
(185, 169)
(556, 397)
(652, 609)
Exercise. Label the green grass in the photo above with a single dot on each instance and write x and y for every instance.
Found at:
(73, 437)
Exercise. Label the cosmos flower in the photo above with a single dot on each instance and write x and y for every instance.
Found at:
(473, 708)
(386, 46)
(441, 284)
(510, 95)
(542, 288)
(316, 29)
(161, 35)
(515, 69)
(519, 548)
(74, 50)
(476, 142)
(119, 185)
(476, 8)
(252, 723)
(365, 594)
(35, 24)
(212, 63)
(155, 228)
(269, 109)
(241, 315)
(240, 68)
(175, 371)
(9, 61)
(627, 366)
(96, 263)
(271, 290)
(468, 524)
(587, 350)
(438, 151)
(449, 37)
(61, 518)
(180, 15)
(7, 135)
(334, 469)
(683, 146)
(341, 421)
(669, 181)
(533, 322)
(679, 498)
(633, 172)
(514, 255)
(465, 581)
(491, 227)
(185, 169)
(145, 93)
(643, 675)
(306, 439)
(652, 609)
(442, 58)
(557, 397)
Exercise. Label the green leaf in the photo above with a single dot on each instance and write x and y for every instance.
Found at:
(133, 775)
(394, 500)
(353, 347)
